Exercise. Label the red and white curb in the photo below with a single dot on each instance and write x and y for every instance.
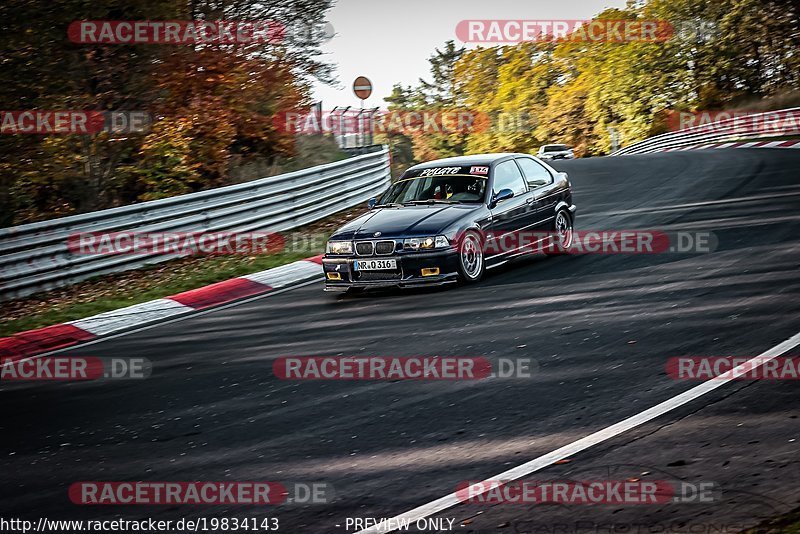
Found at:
(33, 342)
(749, 144)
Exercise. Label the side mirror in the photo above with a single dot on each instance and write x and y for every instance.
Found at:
(563, 175)
(503, 194)
(371, 202)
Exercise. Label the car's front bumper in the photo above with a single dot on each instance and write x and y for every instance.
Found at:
(407, 274)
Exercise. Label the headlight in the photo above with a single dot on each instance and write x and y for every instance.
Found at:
(425, 243)
(340, 247)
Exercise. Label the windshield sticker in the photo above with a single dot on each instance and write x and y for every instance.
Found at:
(479, 170)
(440, 171)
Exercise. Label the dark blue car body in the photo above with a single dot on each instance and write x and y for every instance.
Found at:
(383, 233)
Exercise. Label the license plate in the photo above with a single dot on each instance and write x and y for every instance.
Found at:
(374, 265)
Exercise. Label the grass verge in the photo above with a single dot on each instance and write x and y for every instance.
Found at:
(110, 292)
(785, 524)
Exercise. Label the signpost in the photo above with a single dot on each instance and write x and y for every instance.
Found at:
(362, 87)
(614, 134)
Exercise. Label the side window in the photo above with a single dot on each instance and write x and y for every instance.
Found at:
(535, 174)
(507, 176)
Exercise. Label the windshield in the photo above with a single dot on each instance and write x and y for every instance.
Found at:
(455, 188)
(555, 148)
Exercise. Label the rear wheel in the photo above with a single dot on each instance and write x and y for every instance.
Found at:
(563, 232)
(471, 264)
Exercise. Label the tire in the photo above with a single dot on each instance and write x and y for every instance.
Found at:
(471, 263)
(564, 233)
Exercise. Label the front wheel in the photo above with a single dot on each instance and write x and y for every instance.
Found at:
(471, 265)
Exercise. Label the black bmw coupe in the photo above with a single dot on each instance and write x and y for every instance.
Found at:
(449, 220)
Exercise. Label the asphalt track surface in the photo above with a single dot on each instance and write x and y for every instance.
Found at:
(601, 328)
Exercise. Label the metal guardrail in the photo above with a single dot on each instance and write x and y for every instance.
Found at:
(35, 257)
(771, 124)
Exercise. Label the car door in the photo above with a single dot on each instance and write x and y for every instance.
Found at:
(510, 215)
(544, 189)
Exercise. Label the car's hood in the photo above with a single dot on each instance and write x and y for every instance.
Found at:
(407, 221)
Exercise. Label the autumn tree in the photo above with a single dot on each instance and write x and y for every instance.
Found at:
(212, 104)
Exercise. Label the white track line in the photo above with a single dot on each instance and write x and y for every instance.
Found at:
(566, 451)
